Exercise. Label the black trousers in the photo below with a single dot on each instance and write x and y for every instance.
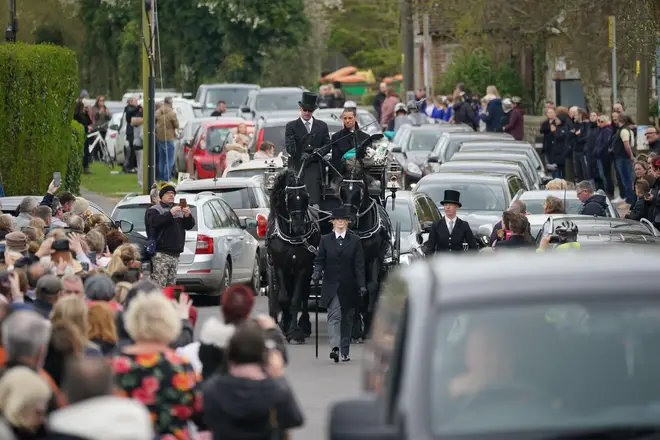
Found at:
(130, 161)
(86, 155)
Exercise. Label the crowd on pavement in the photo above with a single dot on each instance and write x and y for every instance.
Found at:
(94, 347)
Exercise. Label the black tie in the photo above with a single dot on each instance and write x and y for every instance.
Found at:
(340, 239)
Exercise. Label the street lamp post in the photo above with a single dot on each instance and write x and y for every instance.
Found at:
(12, 27)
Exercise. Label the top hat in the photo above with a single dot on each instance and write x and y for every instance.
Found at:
(452, 196)
(308, 101)
(339, 213)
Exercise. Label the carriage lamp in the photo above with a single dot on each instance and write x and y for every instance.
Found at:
(270, 174)
(393, 176)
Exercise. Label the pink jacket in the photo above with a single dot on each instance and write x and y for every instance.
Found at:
(387, 109)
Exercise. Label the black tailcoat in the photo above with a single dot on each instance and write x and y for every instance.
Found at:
(343, 267)
(297, 141)
(344, 145)
(440, 240)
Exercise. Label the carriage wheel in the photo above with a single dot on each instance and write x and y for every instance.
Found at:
(396, 248)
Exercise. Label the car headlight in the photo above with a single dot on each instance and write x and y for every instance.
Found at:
(413, 168)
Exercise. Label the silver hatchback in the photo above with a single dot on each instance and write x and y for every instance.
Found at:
(218, 251)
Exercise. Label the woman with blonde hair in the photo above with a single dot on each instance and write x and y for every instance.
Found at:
(40, 227)
(24, 397)
(173, 396)
(242, 136)
(553, 205)
(124, 257)
(102, 328)
(121, 292)
(74, 309)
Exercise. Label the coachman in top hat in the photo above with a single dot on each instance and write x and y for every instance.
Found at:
(303, 137)
(450, 233)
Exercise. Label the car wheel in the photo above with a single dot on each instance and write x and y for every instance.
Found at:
(256, 276)
(226, 277)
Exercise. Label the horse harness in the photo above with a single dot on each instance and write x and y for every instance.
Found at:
(295, 241)
(378, 224)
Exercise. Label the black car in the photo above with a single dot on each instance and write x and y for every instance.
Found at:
(494, 166)
(603, 230)
(518, 156)
(411, 210)
(234, 95)
(449, 143)
(507, 145)
(484, 196)
(411, 146)
(514, 346)
(262, 102)
(273, 128)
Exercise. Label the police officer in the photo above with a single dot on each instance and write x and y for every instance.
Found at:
(567, 233)
(450, 233)
(303, 137)
(341, 261)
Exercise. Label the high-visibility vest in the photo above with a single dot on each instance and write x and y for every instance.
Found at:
(564, 246)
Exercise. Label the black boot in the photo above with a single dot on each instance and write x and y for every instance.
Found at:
(334, 354)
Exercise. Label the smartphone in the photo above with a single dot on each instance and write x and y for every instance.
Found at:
(177, 293)
(133, 275)
(2, 253)
(85, 266)
(57, 178)
(146, 268)
(92, 256)
(183, 203)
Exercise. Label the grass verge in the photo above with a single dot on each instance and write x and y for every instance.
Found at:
(103, 181)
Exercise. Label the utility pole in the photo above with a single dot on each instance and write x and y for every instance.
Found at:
(407, 45)
(148, 92)
(643, 99)
(612, 39)
(428, 71)
(12, 27)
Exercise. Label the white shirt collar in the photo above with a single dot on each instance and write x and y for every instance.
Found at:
(342, 235)
(447, 220)
(311, 121)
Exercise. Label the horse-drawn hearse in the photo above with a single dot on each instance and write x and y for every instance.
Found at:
(364, 186)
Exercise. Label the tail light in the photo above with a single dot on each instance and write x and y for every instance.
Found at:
(113, 135)
(260, 139)
(204, 245)
(262, 224)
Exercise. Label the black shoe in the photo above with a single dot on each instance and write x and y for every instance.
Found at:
(344, 358)
(334, 354)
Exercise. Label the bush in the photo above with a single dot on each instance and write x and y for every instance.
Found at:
(71, 181)
(38, 90)
(477, 70)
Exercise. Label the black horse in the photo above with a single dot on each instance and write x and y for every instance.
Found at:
(369, 220)
(292, 239)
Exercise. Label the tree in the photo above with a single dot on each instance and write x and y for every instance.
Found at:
(367, 33)
(45, 33)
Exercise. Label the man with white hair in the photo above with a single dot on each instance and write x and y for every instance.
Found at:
(25, 210)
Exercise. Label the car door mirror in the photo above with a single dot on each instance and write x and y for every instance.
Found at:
(125, 226)
(420, 238)
(245, 109)
(485, 230)
(426, 226)
(397, 149)
(360, 419)
(251, 223)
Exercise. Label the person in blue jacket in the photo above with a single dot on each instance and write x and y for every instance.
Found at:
(494, 112)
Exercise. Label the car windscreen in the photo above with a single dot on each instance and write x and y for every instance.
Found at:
(215, 138)
(275, 135)
(135, 215)
(537, 206)
(249, 173)
(237, 198)
(474, 196)
(551, 367)
(277, 102)
(233, 98)
(400, 213)
(423, 140)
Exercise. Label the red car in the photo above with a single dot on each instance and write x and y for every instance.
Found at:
(206, 158)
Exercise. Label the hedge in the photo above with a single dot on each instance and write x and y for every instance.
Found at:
(38, 91)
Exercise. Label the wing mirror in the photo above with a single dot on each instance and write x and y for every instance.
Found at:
(485, 230)
(245, 109)
(426, 226)
(397, 149)
(433, 159)
(125, 226)
(247, 223)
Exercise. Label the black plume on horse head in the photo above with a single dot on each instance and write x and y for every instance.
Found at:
(285, 178)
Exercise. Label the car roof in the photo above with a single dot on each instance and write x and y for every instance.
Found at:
(499, 142)
(439, 128)
(224, 182)
(598, 223)
(610, 273)
(222, 122)
(541, 194)
(258, 164)
(229, 86)
(471, 177)
(475, 134)
(10, 203)
(519, 153)
(278, 90)
(499, 164)
(129, 199)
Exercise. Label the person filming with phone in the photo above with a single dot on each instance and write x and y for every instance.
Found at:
(167, 224)
(565, 238)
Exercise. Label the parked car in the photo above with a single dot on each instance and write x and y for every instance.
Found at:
(507, 145)
(484, 196)
(518, 157)
(246, 196)
(499, 166)
(205, 158)
(535, 201)
(272, 128)
(218, 251)
(255, 167)
(412, 145)
(234, 96)
(364, 118)
(578, 349)
(411, 210)
(182, 144)
(449, 143)
(262, 102)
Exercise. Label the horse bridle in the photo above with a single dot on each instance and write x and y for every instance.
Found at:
(361, 186)
(288, 189)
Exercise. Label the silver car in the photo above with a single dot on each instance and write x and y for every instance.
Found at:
(218, 251)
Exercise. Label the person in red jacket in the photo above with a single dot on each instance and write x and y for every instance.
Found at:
(516, 125)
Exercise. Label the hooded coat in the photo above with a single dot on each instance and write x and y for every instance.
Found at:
(595, 205)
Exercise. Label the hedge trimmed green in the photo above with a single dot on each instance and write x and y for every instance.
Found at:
(38, 90)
